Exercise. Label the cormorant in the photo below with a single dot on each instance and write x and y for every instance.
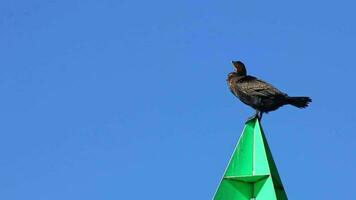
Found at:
(258, 94)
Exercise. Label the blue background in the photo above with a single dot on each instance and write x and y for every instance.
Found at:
(127, 99)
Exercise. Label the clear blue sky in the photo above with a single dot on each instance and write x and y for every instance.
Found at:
(127, 99)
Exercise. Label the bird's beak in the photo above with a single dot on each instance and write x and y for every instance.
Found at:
(233, 64)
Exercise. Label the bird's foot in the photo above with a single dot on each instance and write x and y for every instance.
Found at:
(260, 116)
(253, 117)
(257, 115)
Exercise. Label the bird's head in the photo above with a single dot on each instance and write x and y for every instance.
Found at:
(239, 68)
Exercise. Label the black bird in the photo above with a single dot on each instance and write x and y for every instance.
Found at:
(261, 96)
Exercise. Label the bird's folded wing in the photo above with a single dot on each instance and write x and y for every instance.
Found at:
(254, 86)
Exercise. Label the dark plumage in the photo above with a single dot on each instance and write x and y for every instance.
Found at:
(261, 96)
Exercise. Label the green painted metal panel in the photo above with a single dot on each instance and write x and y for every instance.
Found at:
(241, 161)
(233, 190)
(281, 194)
(265, 190)
(251, 172)
(260, 156)
(247, 179)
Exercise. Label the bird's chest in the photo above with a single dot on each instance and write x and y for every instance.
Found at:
(242, 92)
(235, 88)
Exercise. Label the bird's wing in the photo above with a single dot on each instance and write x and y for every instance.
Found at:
(253, 86)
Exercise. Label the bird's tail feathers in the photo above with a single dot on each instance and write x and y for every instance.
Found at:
(300, 102)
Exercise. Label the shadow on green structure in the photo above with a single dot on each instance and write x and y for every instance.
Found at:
(251, 173)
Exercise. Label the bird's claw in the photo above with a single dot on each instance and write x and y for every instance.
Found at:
(253, 117)
(257, 115)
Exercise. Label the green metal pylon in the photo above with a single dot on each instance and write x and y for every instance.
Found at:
(251, 173)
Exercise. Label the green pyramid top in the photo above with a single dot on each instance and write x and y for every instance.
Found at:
(251, 173)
